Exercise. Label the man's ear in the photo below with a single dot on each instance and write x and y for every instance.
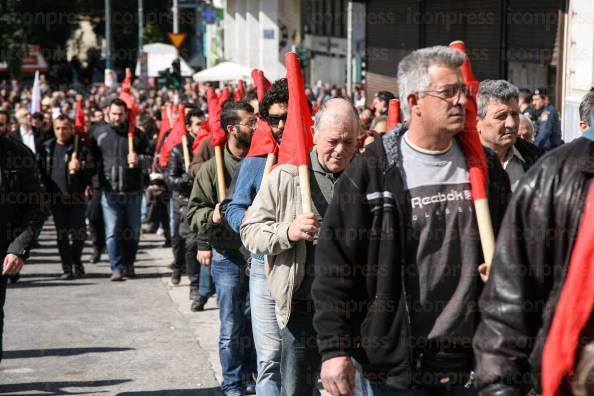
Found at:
(230, 129)
(315, 136)
(413, 102)
(478, 125)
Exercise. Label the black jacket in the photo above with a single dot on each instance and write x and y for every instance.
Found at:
(359, 288)
(21, 215)
(178, 180)
(78, 181)
(529, 151)
(111, 151)
(37, 137)
(529, 267)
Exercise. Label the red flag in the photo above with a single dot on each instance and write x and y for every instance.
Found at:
(263, 142)
(175, 137)
(260, 82)
(239, 91)
(297, 138)
(126, 96)
(202, 134)
(214, 117)
(393, 114)
(224, 96)
(573, 308)
(79, 119)
(469, 138)
(164, 127)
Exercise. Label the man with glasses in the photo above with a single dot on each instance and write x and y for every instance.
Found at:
(397, 282)
(267, 339)
(220, 247)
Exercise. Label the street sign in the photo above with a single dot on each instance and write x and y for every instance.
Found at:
(177, 39)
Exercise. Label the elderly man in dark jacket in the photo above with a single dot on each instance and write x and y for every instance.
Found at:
(21, 216)
(529, 268)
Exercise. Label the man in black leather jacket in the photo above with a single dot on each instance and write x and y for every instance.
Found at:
(180, 183)
(66, 178)
(529, 267)
(121, 181)
(21, 215)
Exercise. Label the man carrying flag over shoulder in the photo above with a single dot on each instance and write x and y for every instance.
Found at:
(220, 247)
(397, 282)
(283, 221)
(273, 114)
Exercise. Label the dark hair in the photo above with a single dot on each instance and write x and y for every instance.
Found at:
(278, 93)
(5, 113)
(525, 95)
(193, 113)
(38, 116)
(119, 103)
(542, 92)
(229, 114)
(385, 96)
(586, 106)
(63, 117)
(251, 94)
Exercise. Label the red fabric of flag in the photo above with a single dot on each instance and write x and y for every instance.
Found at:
(239, 91)
(573, 308)
(261, 83)
(224, 96)
(263, 142)
(393, 113)
(175, 137)
(126, 96)
(79, 118)
(127, 82)
(164, 127)
(469, 137)
(214, 117)
(297, 137)
(202, 134)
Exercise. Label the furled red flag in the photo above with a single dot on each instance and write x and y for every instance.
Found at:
(297, 137)
(214, 117)
(239, 91)
(164, 127)
(575, 305)
(393, 113)
(263, 143)
(260, 82)
(79, 118)
(127, 98)
(224, 96)
(175, 137)
(202, 134)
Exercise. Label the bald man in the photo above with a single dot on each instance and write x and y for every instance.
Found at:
(276, 227)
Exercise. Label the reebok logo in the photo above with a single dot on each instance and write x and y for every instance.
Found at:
(453, 195)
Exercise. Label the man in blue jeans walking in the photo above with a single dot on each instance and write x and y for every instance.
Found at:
(267, 337)
(120, 179)
(228, 263)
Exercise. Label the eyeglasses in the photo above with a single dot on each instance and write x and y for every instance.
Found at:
(448, 92)
(250, 124)
(274, 120)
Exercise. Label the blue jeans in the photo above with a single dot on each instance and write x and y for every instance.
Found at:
(267, 336)
(206, 286)
(121, 214)
(235, 339)
(365, 388)
(300, 359)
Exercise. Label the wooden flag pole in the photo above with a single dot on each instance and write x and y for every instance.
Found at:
(130, 148)
(75, 151)
(270, 160)
(220, 173)
(186, 152)
(485, 226)
(305, 188)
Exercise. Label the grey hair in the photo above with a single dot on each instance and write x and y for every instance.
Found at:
(501, 90)
(528, 121)
(327, 110)
(413, 70)
(586, 106)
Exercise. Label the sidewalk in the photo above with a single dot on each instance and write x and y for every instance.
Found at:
(92, 336)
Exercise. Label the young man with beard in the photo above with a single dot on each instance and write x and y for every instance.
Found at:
(220, 247)
(267, 339)
(180, 182)
(397, 265)
(120, 180)
(498, 116)
(66, 179)
(275, 227)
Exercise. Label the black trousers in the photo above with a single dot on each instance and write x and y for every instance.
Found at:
(3, 283)
(184, 245)
(69, 219)
(96, 224)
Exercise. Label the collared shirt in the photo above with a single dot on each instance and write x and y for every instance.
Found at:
(514, 166)
(28, 138)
